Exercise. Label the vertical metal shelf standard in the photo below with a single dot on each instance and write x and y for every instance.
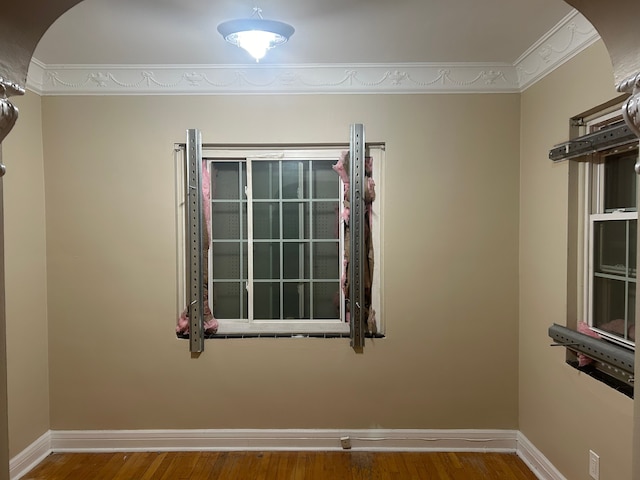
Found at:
(194, 249)
(356, 232)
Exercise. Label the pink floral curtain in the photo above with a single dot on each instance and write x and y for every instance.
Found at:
(210, 323)
(342, 169)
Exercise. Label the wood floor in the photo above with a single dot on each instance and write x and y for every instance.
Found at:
(280, 465)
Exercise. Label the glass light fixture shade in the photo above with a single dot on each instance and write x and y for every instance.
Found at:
(256, 35)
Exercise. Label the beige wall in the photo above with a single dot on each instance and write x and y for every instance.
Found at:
(452, 180)
(563, 412)
(450, 253)
(26, 293)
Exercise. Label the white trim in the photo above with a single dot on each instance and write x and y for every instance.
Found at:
(284, 440)
(31, 456)
(283, 328)
(402, 440)
(536, 461)
(569, 37)
(271, 79)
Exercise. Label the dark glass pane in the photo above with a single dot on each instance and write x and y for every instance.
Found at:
(266, 261)
(225, 181)
(631, 315)
(620, 181)
(266, 301)
(295, 260)
(266, 220)
(245, 261)
(295, 179)
(266, 180)
(226, 260)
(226, 300)
(326, 300)
(633, 246)
(326, 181)
(609, 305)
(295, 220)
(610, 247)
(326, 261)
(325, 220)
(296, 302)
(225, 220)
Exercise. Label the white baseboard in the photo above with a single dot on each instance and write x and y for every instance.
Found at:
(30, 456)
(284, 440)
(321, 440)
(536, 461)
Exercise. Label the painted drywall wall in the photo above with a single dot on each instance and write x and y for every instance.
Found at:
(563, 412)
(25, 262)
(450, 193)
(4, 408)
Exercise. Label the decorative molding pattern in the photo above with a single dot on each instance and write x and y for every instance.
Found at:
(536, 461)
(569, 37)
(265, 79)
(30, 457)
(573, 34)
(283, 440)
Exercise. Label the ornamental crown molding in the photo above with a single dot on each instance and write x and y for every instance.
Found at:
(568, 38)
(572, 35)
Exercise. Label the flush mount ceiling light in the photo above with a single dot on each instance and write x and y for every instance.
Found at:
(256, 35)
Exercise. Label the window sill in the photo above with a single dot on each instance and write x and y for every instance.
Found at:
(270, 329)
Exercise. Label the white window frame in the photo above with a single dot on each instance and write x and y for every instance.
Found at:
(592, 184)
(300, 327)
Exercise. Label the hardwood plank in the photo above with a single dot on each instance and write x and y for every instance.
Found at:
(301, 466)
(352, 465)
(411, 465)
(135, 465)
(155, 467)
(204, 465)
(263, 465)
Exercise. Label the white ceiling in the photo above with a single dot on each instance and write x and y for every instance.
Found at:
(183, 32)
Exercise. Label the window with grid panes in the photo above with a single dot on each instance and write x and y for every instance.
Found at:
(276, 251)
(611, 226)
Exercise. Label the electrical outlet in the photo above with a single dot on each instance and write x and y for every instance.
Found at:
(345, 442)
(594, 465)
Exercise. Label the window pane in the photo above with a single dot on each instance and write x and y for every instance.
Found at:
(633, 246)
(296, 303)
(325, 220)
(295, 179)
(266, 220)
(631, 316)
(226, 261)
(620, 181)
(229, 300)
(326, 182)
(266, 301)
(266, 179)
(609, 305)
(325, 260)
(266, 261)
(610, 247)
(326, 300)
(296, 260)
(224, 180)
(225, 220)
(295, 220)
